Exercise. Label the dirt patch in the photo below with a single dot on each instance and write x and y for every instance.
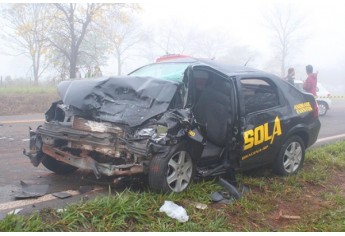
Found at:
(288, 210)
(298, 209)
(338, 180)
(26, 103)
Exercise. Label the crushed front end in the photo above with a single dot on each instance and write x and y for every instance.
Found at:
(79, 133)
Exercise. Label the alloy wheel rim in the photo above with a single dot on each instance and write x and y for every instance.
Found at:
(180, 167)
(322, 109)
(292, 157)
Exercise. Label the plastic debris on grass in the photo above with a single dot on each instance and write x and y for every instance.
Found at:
(174, 211)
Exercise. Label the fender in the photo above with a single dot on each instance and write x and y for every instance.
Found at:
(298, 129)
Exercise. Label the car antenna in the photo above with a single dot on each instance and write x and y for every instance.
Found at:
(245, 64)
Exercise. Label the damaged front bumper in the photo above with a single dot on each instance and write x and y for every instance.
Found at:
(100, 147)
(86, 162)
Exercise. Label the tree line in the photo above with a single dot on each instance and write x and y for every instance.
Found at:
(65, 37)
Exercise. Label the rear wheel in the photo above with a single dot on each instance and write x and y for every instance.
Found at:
(291, 157)
(171, 173)
(57, 167)
(322, 108)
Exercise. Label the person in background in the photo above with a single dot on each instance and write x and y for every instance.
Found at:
(311, 81)
(77, 73)
(291, 76)
(88, 73)
(97, 72)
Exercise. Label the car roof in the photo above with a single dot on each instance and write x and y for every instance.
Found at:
(225, 68)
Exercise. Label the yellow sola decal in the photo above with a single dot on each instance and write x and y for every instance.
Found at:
(261, 134)
(303, 107)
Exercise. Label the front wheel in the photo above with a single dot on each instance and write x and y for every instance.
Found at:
(171, 173)
(291, 157)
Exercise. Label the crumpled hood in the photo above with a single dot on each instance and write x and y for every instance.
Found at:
(126, 100)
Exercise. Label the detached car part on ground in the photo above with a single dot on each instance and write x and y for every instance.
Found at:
(177, 120)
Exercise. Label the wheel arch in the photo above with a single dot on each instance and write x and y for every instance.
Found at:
(300, 132)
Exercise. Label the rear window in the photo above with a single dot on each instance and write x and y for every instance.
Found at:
(258, 94)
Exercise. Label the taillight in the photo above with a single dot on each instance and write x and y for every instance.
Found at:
(316, 110)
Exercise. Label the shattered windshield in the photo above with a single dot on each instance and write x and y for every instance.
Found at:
(166, 71)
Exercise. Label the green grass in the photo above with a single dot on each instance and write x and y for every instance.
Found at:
(27, 89)
(314, 194)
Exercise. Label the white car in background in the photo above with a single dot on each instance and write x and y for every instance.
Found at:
(323, 97)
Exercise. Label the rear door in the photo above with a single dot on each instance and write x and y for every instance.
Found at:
(262, 111)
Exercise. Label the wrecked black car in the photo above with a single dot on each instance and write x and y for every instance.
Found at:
(176, 120)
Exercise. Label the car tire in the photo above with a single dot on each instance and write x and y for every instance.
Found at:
(291, 157)
(323, 108)
(172, 172)
(57, 167)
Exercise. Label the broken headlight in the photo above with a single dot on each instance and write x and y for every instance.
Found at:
(161, 131)
(157, 133)
(147, 132)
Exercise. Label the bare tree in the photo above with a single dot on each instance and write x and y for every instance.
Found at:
(176, 38)
(123, 34)
(286, 26)
(24, 33)
(211, 43)
(73, 23)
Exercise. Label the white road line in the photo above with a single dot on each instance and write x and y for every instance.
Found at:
(22, 203)
(330, 138)
(20, 121)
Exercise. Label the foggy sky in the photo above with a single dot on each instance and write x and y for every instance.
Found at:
(324, 47)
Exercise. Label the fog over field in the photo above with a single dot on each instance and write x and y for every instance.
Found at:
(234, 31)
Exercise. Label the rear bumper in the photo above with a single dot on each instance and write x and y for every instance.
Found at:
(314, 132)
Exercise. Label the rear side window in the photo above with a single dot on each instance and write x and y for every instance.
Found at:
(259, 94)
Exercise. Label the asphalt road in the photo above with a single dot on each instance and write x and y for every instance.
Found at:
(16, 167)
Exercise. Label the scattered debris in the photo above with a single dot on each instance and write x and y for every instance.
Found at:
(221, 197)
(174, 211)
(84, 198)
(62, 195)
(60, 210)
(200, 206)
(26, 140)
(31, 190)
(2, 138)
(232, 193)
(85, 189)
(15, 211)
(288, 216)
(230, 188)
(216, 197)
